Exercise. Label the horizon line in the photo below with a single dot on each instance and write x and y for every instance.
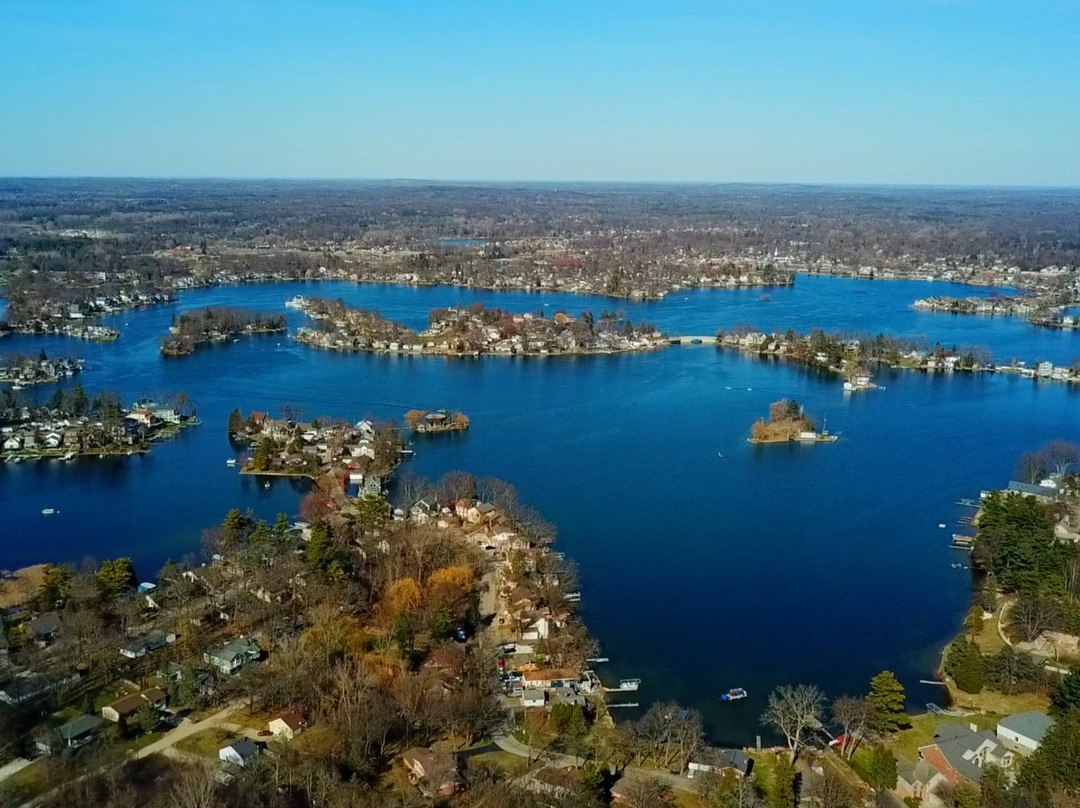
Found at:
(535, 181)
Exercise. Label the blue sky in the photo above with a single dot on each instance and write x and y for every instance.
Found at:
(873, 91)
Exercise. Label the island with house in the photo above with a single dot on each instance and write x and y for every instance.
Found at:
(216, 324)
(21, 370)
(788, 423)
(435, 421)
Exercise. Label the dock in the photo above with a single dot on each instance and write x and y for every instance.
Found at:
(967, 503)
(625, 686)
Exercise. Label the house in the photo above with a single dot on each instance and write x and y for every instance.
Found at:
(12, 444)
(919, 781)
(1043, 493)
(1044, 370)
(138, 648)
(1023, 732)
(550, 677)
(960, 752)
(43, 628)
(79, 731)
(558, 783)
(287, 725)
(533, 698)
(239, 753)
(436, 774)
(123, 708)
(718, 760)
(233, 655)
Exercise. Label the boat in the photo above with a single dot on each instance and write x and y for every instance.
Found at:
(231, 461)
(266, 484)
(17, 387)
(48, 511)
(765, 299)
(297, 302)
(941, 525)
(734, 694)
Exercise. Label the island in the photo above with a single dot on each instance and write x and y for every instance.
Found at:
(425, 421)
(216, 324)
(788, 423)
(1046, 310)
(476, 330)
(21, 370)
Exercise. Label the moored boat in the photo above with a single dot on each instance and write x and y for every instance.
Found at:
(734, 694)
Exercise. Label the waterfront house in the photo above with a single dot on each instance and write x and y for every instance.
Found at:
(959, 753)
(1043, 493)
(1023, 732)
(12, 444)
(233, 655)
(919, 781)
(711, 759)
(436, 774)
(1044, 370)
(239, 753)
(287, 725)
(550, 677)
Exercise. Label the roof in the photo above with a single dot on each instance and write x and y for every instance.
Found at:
(956, 740)
(1028, 488)
(1033, 725)
(293, 721)
(153, 694)
(549, 674)
(917, 772)
(244, 747)
(45, 624)
(127, 705)
(79, 726)
(234, 648)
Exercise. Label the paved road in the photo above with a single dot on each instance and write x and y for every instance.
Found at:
(508, 743)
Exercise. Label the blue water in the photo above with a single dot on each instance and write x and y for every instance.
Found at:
(815, 564)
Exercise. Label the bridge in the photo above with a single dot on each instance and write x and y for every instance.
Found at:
(693, 340)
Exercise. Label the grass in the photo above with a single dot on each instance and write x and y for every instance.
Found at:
(143, 740)
(991, 702)
(256, 720)
(30, 780)
(206, 743)
(503, 761)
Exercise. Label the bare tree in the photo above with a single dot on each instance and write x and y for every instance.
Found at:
(196, 788)
(792, 710)
(855, 716)
(1031, 467)
(833, 791)
(1031, 617)
(1061, 454)
(642, 792)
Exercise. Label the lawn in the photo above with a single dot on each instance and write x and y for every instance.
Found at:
(30, 780)
(503, 761)
(906, 743)
(997, 704)
(206, 743)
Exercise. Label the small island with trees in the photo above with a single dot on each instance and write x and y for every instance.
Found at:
(429, 421)
(216, 324)
(788, 423)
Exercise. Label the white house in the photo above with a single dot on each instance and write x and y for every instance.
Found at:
(533, 698)
(1024, 731)
(287, 725)
(239, 753)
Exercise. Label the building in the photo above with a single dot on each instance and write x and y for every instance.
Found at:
(1023, 732)
(287, 725)
(44, 627)
(436, 774)
(138, 648)
(919, 781)
(25, 687)
(239, 753)
(533, 698)
(124, 708)
(550, 677)
(233, 655)
(719, 760)
(959, 753)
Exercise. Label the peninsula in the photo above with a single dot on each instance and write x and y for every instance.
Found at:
(21, 370)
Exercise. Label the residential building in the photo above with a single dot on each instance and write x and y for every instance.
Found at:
(239, 753)
(919, 781)
(287, 725)
(233, 655)
(1023, 732)
(960, 752)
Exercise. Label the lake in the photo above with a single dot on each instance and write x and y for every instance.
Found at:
(821, 564)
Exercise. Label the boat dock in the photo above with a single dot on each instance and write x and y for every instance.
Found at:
(625, 686)
(967, 503)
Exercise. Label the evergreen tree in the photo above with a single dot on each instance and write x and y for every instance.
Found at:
(1067, 694)
(881, 768)
(115, 578)
(55, 587)
(964, 663)
(887, 701)
(974, 620)
(236, 422)
(79, 400)
(782, 793)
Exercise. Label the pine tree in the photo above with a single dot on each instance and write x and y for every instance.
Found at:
(1067, 694)
(887, 701)
(782, 793)
(236, 422)
(964, 663)
(115, 578)
(881, 768)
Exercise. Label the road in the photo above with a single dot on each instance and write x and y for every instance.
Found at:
(163, 744)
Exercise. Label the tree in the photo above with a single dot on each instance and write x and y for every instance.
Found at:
(886, 699)
(964, 663)
(974, 620)
(1056, 763)
(1067, 694)
(881, 768)
(855, 717)
(1031, 467)
(782, 791)
(1061, 454)
(831, 790)
(55, 586)
(236, 422)
(792, 710)
(114, 578)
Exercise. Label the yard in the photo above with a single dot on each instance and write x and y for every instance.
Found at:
(206, 743)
